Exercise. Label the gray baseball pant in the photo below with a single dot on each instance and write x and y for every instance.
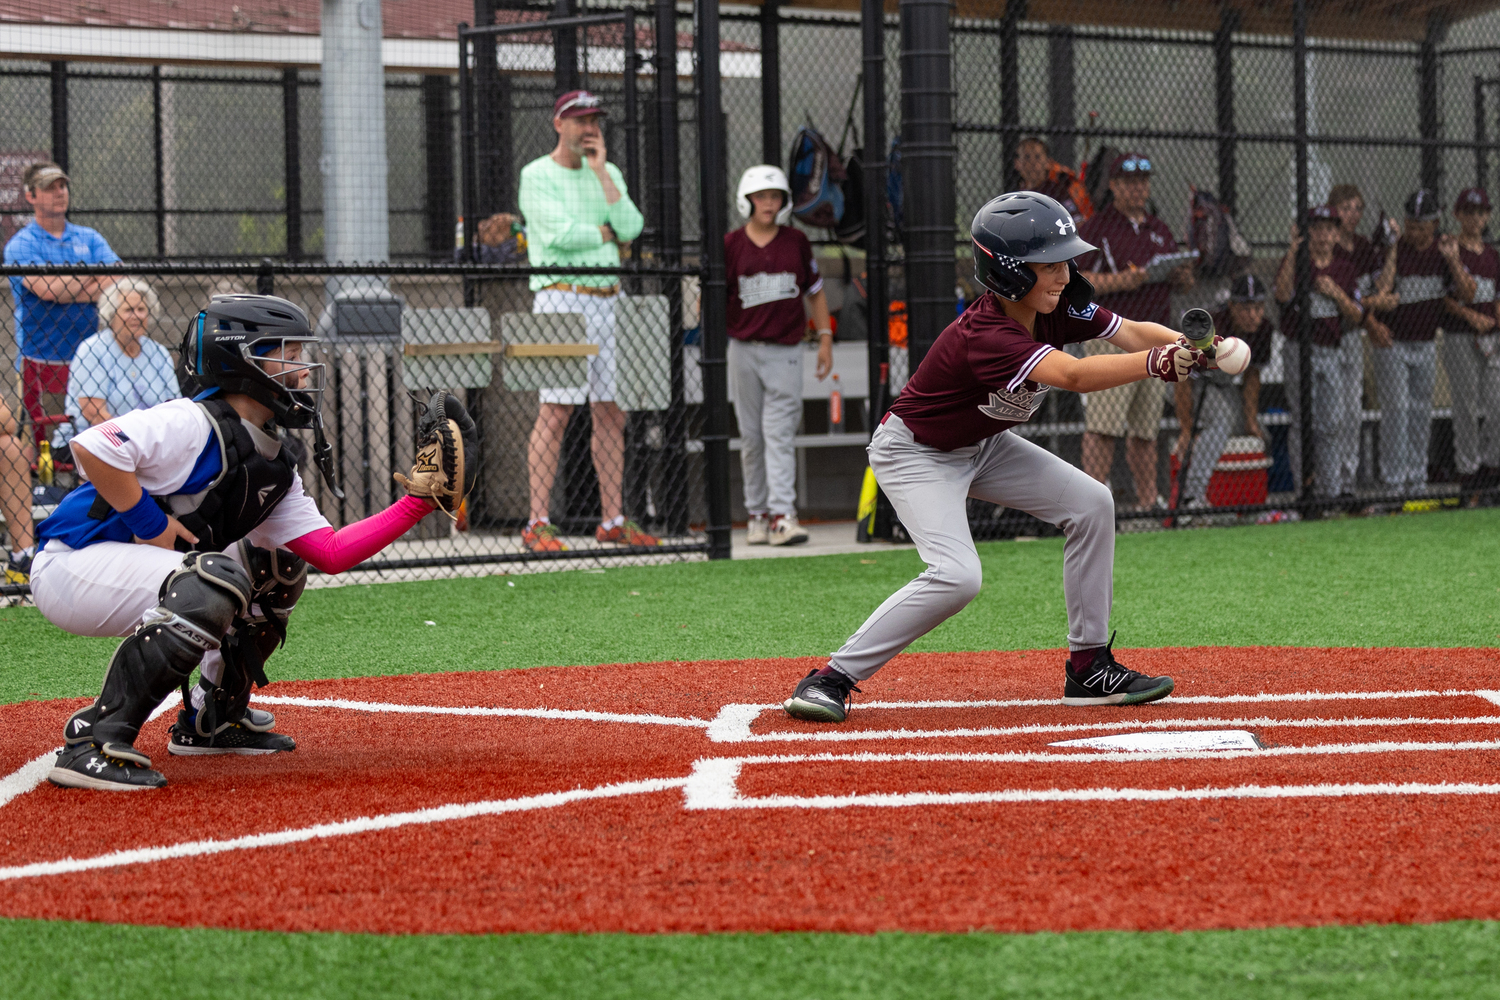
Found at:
(1337, 386)
(929, 489)
(1405, 374)
(767, 380)
(1474, 386)
(1217, 410)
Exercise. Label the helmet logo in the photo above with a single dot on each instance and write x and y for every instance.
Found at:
(1064, 225)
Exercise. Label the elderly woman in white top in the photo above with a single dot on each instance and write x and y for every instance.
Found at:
(121, 368)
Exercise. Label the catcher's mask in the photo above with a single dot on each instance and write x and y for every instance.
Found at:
(1026, 227)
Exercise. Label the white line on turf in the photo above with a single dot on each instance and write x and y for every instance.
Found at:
(517, 713)
(31, 774)
(345, 828)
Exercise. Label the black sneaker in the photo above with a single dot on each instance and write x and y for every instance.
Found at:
(1108, 682)
(821, 699)
(115, 767)
(232, 737)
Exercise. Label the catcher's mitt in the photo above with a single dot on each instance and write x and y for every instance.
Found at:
(447, 454)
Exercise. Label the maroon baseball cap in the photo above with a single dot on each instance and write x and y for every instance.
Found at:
(577, 104)
(1130, 165)
(1322, 213)
(1472, 200)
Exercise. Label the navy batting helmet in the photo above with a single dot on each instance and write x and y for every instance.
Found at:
(228, 345)
(1026, 227)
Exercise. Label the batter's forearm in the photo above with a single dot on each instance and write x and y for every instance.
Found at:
(1134, 336)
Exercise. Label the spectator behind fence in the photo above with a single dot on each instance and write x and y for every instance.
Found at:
(1210, 404)
(1041, 173)
(1470, 356)
(1428, 269)
(1338, 361)
(121, 368)
(54, 313)
(1374, 267)
(770, 269)
(1129, 237)
(578, 212)
(15, 498)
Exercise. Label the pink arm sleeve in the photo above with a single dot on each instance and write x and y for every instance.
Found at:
(335, 551)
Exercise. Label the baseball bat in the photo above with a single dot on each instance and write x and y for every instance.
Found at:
(1198, 328)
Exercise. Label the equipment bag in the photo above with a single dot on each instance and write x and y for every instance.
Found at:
(816, 174)
(1222, 251)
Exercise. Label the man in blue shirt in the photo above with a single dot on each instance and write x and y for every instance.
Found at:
(54, 313)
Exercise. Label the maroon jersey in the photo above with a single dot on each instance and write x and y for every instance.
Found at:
(1422, 280)
(1258, 340)
(1327, 324)
(1485, 267)
(766, 285)
(974, 382)
(1122, 243)
(1365, 259)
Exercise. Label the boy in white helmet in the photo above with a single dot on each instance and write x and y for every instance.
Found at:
(769, 270)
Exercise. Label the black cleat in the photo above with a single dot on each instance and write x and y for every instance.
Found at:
(821, 699)
(114, 767)
(232, 737)
(1108, 682)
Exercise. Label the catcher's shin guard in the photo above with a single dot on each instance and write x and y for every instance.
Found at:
(279, 578)
(198, 603)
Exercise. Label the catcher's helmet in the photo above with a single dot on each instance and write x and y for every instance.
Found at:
(764, 177)
(227, 347)
(1021, 227)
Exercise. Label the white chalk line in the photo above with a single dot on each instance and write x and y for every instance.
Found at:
(344, 828)
(497, 711)
(1200, 699)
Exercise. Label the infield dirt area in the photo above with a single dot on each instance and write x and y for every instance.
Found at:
(677, 797)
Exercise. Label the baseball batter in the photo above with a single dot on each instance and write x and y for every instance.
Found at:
(193, 535)
(944, 440)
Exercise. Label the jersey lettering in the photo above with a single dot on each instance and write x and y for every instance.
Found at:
(1016, 406)
(759, 289)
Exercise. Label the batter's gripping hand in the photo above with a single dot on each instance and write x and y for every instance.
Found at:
(447, 454)
(1173, 363)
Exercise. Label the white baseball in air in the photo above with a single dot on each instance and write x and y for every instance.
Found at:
(1233, 355)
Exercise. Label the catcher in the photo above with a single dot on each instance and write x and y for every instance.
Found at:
(193, 535)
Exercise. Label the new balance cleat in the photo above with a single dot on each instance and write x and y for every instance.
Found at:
(230, 738)
(785, 530)
(1106, 681)
(629, 533)
(114, 767)
(824, 698)
(543, 538)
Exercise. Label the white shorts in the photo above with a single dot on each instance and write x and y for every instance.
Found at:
(598, 314)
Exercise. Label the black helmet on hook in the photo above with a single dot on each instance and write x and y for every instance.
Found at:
(1024, 227)
(229, 343)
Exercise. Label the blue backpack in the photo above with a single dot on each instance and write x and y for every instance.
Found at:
(816, 175)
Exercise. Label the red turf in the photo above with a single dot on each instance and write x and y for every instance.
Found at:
(644, 863)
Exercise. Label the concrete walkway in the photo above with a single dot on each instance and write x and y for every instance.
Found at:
(827, 538)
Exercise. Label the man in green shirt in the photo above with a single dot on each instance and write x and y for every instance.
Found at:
(578, 212)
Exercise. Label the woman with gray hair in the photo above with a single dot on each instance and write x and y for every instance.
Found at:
(121, 368)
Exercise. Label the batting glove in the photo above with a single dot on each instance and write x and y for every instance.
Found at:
(1210, 356)
(1172, 363)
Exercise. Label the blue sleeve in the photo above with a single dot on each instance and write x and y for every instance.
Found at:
(87, 375)
(19, 251)
(100, 251)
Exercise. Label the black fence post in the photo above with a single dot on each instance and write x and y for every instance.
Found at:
(564, 50)
(291, 145)
(668, 198)
(714, 337)
(160, 154)
(877, 309)
(265, 277)
(1429, 113)
(1229, 23)
(1304, 261)
(60, 114)
(927, 164)
(1010, 89)
(1481, 135)
(437, 142)
(489, 94)
(1061, 93)
(770, 81)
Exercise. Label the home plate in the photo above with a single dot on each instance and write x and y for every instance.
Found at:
(1223, 739)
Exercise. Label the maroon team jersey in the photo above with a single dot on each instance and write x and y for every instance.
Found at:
(766, 285)
(1122, 243)
(1327, 324)
(1364, 259)
(1485, 267)
(1422, 280)
(974, 382)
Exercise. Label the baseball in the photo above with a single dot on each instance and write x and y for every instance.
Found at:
(1233, 355)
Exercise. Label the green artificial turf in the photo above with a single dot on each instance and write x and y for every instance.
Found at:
(1416, 580)
(62, 960)
(1428, 580)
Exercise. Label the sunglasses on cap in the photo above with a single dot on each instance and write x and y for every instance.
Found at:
(581, 101)
(1136, 164)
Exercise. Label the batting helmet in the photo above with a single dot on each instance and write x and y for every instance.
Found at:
(764, 178)
(1025, 227)
(228, 345)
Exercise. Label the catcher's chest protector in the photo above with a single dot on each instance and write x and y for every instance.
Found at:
(248, 488)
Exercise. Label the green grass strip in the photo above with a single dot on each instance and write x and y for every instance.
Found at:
(1424, 580)
(42, 959)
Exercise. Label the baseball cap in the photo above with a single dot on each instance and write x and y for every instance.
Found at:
(47, 176)
(1423, 206)
(577, 104)
(1130, 165)
(1322, 213)
(1472, 200)
(1247, 288)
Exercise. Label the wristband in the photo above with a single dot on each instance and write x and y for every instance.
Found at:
(145, 520)
(825, 333)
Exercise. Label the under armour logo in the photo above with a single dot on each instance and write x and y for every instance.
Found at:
(95, 764)
(1063, 225)
(265, 492)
